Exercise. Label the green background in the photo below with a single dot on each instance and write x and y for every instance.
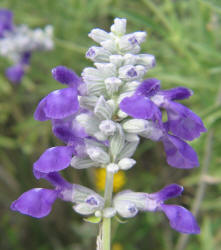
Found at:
(184, 35)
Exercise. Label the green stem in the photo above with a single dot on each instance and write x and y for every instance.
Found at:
(105, 232)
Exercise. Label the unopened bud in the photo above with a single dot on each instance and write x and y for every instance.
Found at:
(126, 163)
(135, 125)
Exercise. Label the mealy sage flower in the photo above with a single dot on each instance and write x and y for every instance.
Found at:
(17, 43)
(100, 118)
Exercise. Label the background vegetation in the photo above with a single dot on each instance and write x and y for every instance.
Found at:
(184, 35)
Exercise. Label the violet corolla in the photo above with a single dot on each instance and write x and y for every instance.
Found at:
(100, 117)
(17, 43)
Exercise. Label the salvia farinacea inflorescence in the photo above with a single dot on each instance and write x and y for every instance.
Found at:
(17, 43)
(101, 117)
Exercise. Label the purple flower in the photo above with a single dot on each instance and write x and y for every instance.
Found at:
(182, 122)
(60, 103)
(6, 21)
(147, 100)
(127, 203)
(15, 73)
(38, 202)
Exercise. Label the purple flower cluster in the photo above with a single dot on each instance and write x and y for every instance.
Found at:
(17, 44)
(99, 118)
(15, 72)
(182, 124)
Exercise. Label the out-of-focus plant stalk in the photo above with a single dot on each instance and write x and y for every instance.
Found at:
(183, 240)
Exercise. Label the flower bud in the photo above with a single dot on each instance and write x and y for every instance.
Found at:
(146, 60)
(135, 125)
(107, 127)
(140, 36)
(119, 26)
(99, 35)
(129, 44)
(128, 72)
(126, 163)
(98, 54)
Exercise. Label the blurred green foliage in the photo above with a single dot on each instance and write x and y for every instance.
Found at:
(184, 36)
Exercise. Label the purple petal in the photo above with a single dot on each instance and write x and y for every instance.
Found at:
(178, 93)
(148, 87)
(6, 21)
(138, 106)
(39, 114)
(57, 105)
(54, 159)
(15, 73)
(168, 192)
(179, 153)
(181, 219)
(36, 202)
(183, 122)
(66, 76)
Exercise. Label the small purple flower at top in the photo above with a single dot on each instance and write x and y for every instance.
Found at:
(60, 103)
(6, 21)
(128, 203)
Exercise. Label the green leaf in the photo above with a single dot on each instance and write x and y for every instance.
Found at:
(93, 219)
